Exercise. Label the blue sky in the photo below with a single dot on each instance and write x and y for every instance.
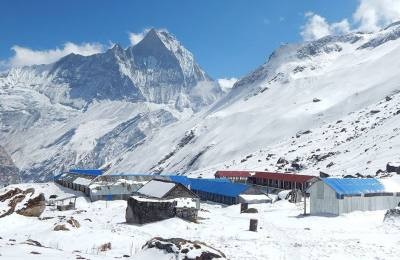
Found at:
(228, 38)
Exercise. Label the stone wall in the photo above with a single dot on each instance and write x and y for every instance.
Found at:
(141, 212)
(187, 213)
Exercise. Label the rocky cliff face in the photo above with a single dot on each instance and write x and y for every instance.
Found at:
(9, 173)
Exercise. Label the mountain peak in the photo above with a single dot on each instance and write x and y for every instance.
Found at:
(117, 47)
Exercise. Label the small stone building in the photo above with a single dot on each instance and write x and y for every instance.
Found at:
(159, 200)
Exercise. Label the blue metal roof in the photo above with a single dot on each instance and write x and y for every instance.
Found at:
(56, 177)
(219, 187)
(180, 179)
(138, 174)
(354, 186)
(91, 172)
(129, 174)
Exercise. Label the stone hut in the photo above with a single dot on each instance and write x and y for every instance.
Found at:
(161, 199)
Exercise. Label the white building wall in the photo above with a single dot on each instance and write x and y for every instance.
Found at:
(323, 199)
(349, 204)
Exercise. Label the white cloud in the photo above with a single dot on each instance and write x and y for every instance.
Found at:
(372, 15)
(227, 83)
(26, 56)
(135, 38)
(317, 27)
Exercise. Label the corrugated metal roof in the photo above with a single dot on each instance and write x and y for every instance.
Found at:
(91, 172)
(82, 181)
(360, 186)
(180, 179)
(138, 174)
(224, 188)
(156, 189)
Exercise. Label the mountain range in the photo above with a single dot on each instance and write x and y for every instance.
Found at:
(329, 105)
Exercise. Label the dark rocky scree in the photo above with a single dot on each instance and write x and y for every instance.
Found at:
(181, 247)
(392, 215)
(390, 167)
(34, 207)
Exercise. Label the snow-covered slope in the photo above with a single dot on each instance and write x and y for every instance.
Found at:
(308, 86)
(132, 110)
(84, 111)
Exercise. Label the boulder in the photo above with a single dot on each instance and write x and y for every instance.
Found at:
(34, 207)
(60, 227)
(393, 167)
(282, 161)
(392, 215)
(300, 133)
(105, 247)
(184, 249)
(73, 222)
(250, 210)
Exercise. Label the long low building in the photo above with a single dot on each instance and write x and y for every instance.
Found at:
(78, 179)
(335, 196)
(281, 181)
(273, 180)
(118, 186)
(223, 191)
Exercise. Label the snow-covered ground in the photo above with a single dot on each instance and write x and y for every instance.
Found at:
(283, 232)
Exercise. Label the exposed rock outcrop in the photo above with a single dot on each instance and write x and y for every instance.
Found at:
(393, 167)
(185, 249)
(25, 203)
(34, 207)
(392, 215)
(9, 173)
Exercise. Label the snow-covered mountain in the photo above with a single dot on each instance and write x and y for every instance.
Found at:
(295, 106)
(332, 101)
(86, 110)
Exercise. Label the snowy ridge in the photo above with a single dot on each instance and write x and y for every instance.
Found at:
(302, 87)
(300, 91)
